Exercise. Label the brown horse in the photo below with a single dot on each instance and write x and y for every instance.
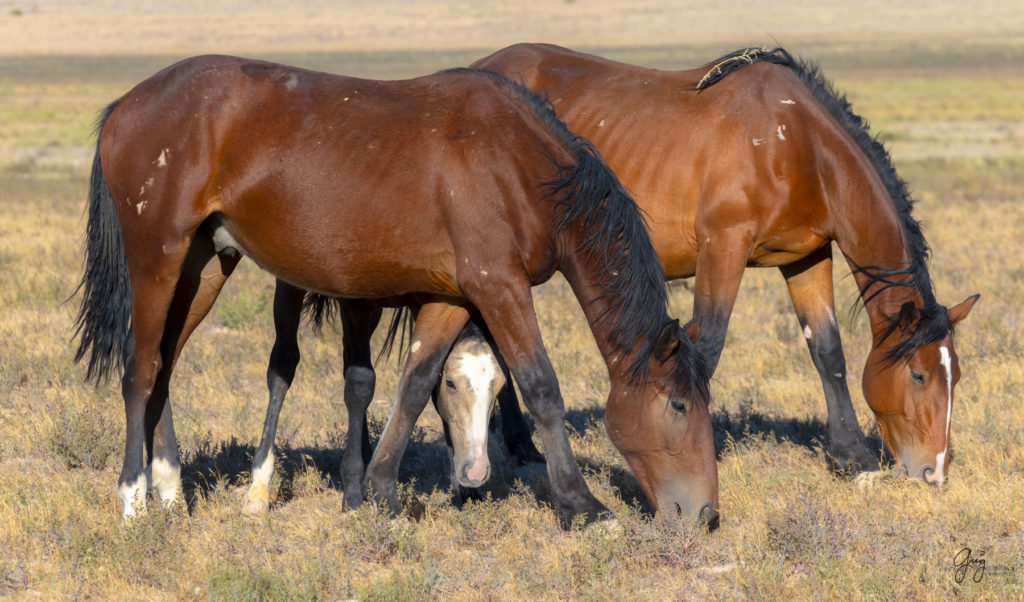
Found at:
(755, 160)
(462, 187)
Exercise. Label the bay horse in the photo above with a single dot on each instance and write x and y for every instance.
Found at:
(462, 187)
(473, 375)
(756, 160)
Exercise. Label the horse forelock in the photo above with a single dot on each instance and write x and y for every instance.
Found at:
(879, 278)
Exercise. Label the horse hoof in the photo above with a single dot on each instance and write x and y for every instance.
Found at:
(256, 502)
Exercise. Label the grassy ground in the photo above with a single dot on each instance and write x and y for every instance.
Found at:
(790, 528)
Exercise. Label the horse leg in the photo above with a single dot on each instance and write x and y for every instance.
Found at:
(284, 358)
(359, 319)
(437, 326)
(720, 265)
(203, 274)
(514, 429)
(512, 321)
(810, 287)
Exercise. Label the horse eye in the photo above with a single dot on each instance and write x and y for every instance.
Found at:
(679, 405)
(917, 377)
(449, 383)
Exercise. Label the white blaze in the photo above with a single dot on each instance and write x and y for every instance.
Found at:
(947, 363)
(480, 370)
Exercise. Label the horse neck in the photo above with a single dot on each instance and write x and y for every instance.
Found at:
(598, 304)
(869, 232)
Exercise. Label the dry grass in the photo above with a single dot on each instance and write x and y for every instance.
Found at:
(790, 528)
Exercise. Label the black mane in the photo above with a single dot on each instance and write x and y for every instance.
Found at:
(613, 235)
(933, 323)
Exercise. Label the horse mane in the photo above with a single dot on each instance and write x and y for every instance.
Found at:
(613, 235)
(933, 324)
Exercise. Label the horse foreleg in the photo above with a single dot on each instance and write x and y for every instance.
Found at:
(810, 287)
(359, 319)
(436, 328)
(721, 261)
(514, 429)
(510, 315)
(284, 359)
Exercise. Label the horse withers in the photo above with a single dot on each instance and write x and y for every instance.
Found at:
(462, 187)
(756, 160)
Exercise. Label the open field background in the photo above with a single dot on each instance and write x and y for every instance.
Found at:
(942, 82)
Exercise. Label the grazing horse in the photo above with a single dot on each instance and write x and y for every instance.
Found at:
(472, 375)
(461, 187)
(755, 160)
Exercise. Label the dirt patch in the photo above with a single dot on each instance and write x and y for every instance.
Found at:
(242, 26)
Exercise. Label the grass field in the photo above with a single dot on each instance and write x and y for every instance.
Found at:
(953, 116)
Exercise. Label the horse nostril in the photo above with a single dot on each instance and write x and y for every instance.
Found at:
(927, 474)
(709, 516)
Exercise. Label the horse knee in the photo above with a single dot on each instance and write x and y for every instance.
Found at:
(360, 382)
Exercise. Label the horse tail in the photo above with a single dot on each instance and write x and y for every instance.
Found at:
(103, 325)
(320, 309)
(400, 329)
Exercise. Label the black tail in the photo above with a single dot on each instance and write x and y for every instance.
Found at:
(104, 320)
(322, 308)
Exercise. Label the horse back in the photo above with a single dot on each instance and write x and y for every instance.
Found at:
(745, 154)
(372, 178)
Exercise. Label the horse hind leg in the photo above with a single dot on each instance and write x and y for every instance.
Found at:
(810, 287)
(359, 319)
(284, 358)
(202, 276)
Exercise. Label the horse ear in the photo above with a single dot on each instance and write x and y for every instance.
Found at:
(692, 331)
(668, 341)
(908, 315)
(959, 312)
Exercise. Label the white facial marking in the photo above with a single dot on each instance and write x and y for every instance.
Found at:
(165, 478)
(779, 133)
(415, 347)
(133, 496)
(480, 370)
(807, 332)
(947, 362)
(787, 101)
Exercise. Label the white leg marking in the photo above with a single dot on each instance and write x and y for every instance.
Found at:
(257, 499)
(165, 479)
(133, 496)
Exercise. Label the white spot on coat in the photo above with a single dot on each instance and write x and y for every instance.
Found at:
(415, 347)
(601, 125)
(757, 141)
(779, 131)
(161, 161)
(483, 272)
(787, 101)
(807, 332)
(141, 206)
